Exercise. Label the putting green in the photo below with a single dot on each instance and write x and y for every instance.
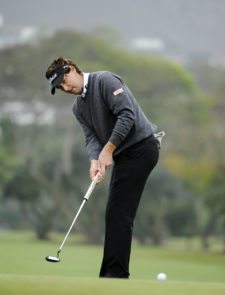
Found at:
(30, 285)
(24, 270)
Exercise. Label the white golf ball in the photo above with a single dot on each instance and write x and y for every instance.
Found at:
(161, 276)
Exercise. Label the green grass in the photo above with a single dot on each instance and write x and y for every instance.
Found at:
(23, 269)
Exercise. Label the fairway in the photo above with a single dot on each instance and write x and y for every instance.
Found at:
(23, 269)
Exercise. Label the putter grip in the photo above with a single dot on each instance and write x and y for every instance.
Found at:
(91, 187)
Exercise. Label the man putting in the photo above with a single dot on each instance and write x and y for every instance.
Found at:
(116, 131)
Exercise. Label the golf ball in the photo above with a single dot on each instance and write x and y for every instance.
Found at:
(161, 276)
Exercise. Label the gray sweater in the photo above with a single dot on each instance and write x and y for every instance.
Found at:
(109, 112)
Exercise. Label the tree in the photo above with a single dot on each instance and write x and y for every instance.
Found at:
(53, 156)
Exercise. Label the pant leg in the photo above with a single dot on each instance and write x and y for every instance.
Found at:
(130, 172)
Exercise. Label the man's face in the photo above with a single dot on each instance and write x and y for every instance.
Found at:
(72, 82)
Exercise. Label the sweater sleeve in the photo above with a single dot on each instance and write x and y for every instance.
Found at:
(118, 100)
(93, 146)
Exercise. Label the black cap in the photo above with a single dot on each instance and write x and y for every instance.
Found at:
(57, 76)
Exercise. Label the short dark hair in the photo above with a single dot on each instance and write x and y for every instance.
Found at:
(61, 61)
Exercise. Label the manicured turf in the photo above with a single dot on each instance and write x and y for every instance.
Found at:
(23, 269)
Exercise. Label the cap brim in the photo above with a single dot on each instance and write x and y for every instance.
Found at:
(53, 90)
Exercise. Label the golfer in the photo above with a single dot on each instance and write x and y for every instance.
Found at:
(116, 132)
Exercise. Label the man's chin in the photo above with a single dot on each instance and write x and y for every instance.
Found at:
(74, 91)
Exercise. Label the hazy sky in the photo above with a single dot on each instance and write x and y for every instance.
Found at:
(193, 25)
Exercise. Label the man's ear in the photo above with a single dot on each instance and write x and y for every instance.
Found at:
(69, 70)
(72, 68)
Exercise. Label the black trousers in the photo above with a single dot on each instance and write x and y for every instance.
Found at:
(130, 172)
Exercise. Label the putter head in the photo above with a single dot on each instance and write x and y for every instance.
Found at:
(52, 259)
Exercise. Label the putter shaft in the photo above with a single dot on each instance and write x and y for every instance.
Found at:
(86, 197)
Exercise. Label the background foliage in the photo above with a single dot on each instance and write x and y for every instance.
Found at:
(44, 166)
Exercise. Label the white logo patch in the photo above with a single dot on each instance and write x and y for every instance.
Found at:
(52, 78)
(118, 91)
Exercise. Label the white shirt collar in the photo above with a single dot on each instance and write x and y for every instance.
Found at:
(85, 85)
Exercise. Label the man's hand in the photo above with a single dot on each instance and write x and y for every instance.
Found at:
(105, 160)
(94, 169)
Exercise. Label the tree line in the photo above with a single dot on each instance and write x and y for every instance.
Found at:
(44, 166)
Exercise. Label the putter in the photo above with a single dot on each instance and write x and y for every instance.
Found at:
(85, 199)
